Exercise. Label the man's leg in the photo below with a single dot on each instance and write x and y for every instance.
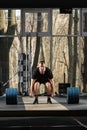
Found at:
(35, 91)
(49, 92)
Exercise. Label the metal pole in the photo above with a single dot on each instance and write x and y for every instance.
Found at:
(26, 63)
(79, 63)
(51, 39)
(30, 60)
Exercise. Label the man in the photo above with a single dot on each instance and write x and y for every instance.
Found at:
(42, 75)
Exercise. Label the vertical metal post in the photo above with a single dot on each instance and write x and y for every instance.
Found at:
(26, 63)
(51, 39)
(79, 63)
(51, 54)
(21, 52)
(30, 59)
(79, 49)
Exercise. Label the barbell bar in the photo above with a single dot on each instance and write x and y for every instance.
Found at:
(72, 95)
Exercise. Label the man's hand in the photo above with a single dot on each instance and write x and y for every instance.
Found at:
(53, 94)
(31, 94)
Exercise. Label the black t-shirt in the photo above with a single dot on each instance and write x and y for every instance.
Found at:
(42, 78)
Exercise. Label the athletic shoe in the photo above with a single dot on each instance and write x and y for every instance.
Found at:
(35, 101)
(49, 101)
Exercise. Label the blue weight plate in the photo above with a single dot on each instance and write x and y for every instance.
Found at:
(14, 96)
(69, 95)
(72, 95)
(11, 96)
(76, 95)
(7, 96)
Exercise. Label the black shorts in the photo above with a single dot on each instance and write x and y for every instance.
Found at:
(43, 82)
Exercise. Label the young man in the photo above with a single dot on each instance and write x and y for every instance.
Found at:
(42, 75)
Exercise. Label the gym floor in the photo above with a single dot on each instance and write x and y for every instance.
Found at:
(25, 114)
(58, 103)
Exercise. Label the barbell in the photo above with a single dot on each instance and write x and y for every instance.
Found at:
(72, 95)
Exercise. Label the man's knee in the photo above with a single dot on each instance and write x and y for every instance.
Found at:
(48, 85)
(36, 85)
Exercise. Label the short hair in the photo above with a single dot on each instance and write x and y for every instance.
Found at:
(42, 61)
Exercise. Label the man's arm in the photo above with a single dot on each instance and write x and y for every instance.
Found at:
(53, 86)
(31, 87)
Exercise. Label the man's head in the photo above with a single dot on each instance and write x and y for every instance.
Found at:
(42, 61)
(42, 67)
